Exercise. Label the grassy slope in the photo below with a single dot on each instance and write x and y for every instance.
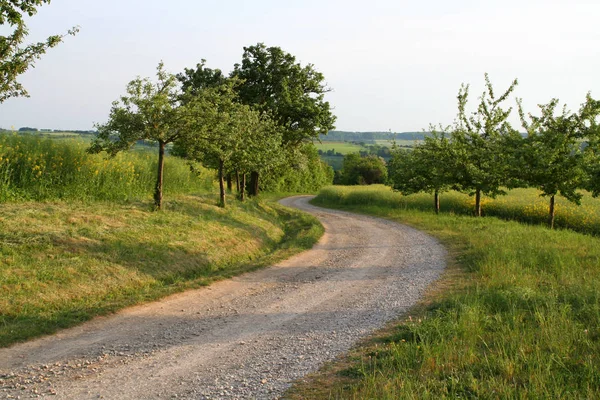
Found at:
(519, 316)
(62, 263)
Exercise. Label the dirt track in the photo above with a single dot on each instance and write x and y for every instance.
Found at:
(248, 337)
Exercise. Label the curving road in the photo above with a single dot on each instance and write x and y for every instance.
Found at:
(248, 337)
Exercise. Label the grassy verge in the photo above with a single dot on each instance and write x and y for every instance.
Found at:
(523, 205)
(518, 316)
(63, 263)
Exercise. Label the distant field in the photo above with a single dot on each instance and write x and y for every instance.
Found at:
(340, 147)
(399, 142)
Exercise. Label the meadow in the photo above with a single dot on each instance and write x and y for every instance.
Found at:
(516, 315)
(36, 168)
(339, 147)
(79, 237)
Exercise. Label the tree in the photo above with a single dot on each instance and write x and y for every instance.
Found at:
(228, 135)
(481, 160)
(193, 81)
(588, 116)
(551, 156)
(293, 95)
(150, 111)
(429, 167)
(358, 170)
(15, 58)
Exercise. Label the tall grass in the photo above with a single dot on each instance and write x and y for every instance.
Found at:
(524, 205)
(35, 168)
(524, 322)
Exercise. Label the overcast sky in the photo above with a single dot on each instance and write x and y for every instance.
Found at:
(392, 64)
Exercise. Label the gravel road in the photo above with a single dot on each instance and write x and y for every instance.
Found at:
(244, 338)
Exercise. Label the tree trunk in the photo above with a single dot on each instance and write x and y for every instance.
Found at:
(229, 183)
(253, 189)
(478, 203)
(552, 212)
(237, 181)
(221, 185)
(243, 188)
(158, 190)
(436, 202)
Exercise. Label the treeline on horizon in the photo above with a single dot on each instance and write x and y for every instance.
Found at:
(334, 135)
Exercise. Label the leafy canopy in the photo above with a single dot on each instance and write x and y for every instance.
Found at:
(15, 58)
(293, 94)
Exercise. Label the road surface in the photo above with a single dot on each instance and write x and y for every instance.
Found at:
(247, 337)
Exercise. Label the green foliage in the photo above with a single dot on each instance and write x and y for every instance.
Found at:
(588, 115)
(300, 172)
(551, 155)
(359, 170)
(194, 81)
(150, 111)
(429, 167)
(230, 136)
(293, 94)
(39, 169)
(520, 320)
(15, 59)
(480, 157)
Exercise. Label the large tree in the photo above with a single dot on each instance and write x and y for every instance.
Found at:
(151, 111)
(273, 81)
(16, 58)
(478, 139)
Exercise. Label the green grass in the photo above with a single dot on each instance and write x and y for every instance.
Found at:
(399, 142)
(36, 168)
(524, 205)
(62, 263)
(339, 147)
(517, 316)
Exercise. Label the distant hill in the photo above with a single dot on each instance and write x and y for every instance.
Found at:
(344, 136)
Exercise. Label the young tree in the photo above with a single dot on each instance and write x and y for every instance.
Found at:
(551, 157)
(149, 111)
(15, 58)
(588, 116)
(482, 163)
(293, 95)
(429, 167)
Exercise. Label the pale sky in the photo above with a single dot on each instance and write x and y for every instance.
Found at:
(392, 64)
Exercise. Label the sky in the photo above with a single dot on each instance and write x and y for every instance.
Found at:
(391, 64)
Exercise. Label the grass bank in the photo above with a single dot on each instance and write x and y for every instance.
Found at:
(518, 316)
(62, 263)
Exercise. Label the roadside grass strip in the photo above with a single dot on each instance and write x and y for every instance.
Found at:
(517, 315)
(62, 263)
